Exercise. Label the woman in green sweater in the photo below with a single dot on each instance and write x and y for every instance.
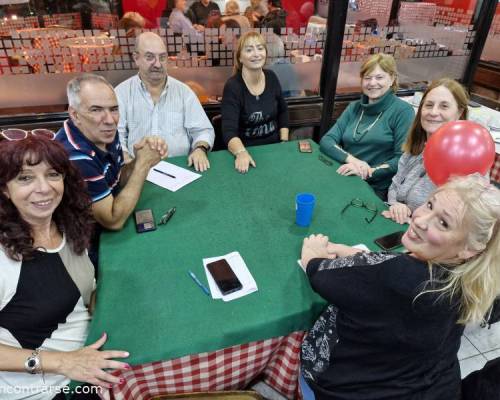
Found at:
(368, 136)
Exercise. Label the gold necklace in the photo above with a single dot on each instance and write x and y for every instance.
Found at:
(357, 136)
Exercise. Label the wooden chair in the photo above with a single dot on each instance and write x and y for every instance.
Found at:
(230, 395)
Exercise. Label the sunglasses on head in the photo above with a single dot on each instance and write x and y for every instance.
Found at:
(21, 134)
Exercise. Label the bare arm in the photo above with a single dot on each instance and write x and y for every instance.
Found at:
(243, 159)
(284, 134)
(112, 212)
(86, 364)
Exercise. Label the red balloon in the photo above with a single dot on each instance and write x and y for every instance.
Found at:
(458, 148)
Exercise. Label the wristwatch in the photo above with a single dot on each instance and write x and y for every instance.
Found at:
(33, 365)
(202, 147)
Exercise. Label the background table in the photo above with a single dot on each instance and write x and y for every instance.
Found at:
(146, 301)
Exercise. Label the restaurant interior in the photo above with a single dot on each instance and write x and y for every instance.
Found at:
(316, 56)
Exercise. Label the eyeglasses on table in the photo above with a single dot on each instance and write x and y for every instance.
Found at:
(358, 203)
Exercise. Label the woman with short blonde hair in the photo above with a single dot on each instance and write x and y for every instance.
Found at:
(367, 137)
(254, 111)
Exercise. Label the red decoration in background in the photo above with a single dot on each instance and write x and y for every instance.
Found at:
(298, 13)
(458, 148)
(150, 9)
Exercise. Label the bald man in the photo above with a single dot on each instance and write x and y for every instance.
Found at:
(153, 103)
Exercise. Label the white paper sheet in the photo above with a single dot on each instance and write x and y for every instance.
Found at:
(239, 267)
(178, 178)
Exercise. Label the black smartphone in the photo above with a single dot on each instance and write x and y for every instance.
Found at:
(224, 276)
(305, 146)
(144, 221)
(391, 241)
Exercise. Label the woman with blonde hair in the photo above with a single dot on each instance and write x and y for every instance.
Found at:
(254, 111)
(395, 321)
(444, 100)
(232, 8)
(368, 136)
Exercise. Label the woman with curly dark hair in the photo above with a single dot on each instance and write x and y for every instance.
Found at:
(46, 277)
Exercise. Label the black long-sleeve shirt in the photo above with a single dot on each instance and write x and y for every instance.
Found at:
(255, 120)
(377, 339)
(199, 14)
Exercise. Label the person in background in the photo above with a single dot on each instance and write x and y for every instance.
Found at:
(394, 322)
(282, 67)
(232, 13)
(179, 23)
(255, 12)
(368, 136)
(275, 18)
(444, 100)
(91, 139)
(254, 111)
(232, 8)
(131, 21)
(202, 10)
(46, 277)
(152, 102)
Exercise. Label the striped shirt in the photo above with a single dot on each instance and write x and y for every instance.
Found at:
(177, 117)
(100, 169)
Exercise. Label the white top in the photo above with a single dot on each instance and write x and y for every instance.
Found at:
(178, 117)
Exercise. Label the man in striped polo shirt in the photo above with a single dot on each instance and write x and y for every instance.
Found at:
(91, 139)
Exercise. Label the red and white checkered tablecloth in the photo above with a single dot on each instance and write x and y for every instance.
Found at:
(495, 170)
(275, 360)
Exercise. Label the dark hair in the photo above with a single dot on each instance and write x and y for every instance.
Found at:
(73, 216)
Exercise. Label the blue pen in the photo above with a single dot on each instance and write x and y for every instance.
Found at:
(197, 281)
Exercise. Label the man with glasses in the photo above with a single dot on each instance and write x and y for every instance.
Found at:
(153, 103)
(91, 139)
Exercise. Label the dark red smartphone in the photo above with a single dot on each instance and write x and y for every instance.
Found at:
(305, 146)
(224, 276)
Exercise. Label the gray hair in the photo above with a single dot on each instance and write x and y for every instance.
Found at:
(74, 87)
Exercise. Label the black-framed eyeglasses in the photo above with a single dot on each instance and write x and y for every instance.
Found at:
(361, 204)
(21, 134)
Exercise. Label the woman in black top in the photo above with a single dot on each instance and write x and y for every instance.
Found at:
(394, 323)
(254, 111)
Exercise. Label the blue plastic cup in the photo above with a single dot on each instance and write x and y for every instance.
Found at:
(304, 205)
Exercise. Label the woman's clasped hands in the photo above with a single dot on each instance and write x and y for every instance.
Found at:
(354, 166)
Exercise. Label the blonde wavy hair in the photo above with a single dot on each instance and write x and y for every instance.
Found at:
(476, 281)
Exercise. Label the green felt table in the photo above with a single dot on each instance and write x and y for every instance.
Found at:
(148, 304)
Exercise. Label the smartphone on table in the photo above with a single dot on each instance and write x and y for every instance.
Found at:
(391, 241)
(305, 146)
(224, 276)
(144, 221)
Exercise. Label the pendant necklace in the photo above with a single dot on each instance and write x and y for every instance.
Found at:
(357, 136)
(257, 96)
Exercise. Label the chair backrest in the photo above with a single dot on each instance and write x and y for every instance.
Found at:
(483, 384)
(219, 141)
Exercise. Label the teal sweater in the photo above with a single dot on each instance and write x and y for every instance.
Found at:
(381, 145)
